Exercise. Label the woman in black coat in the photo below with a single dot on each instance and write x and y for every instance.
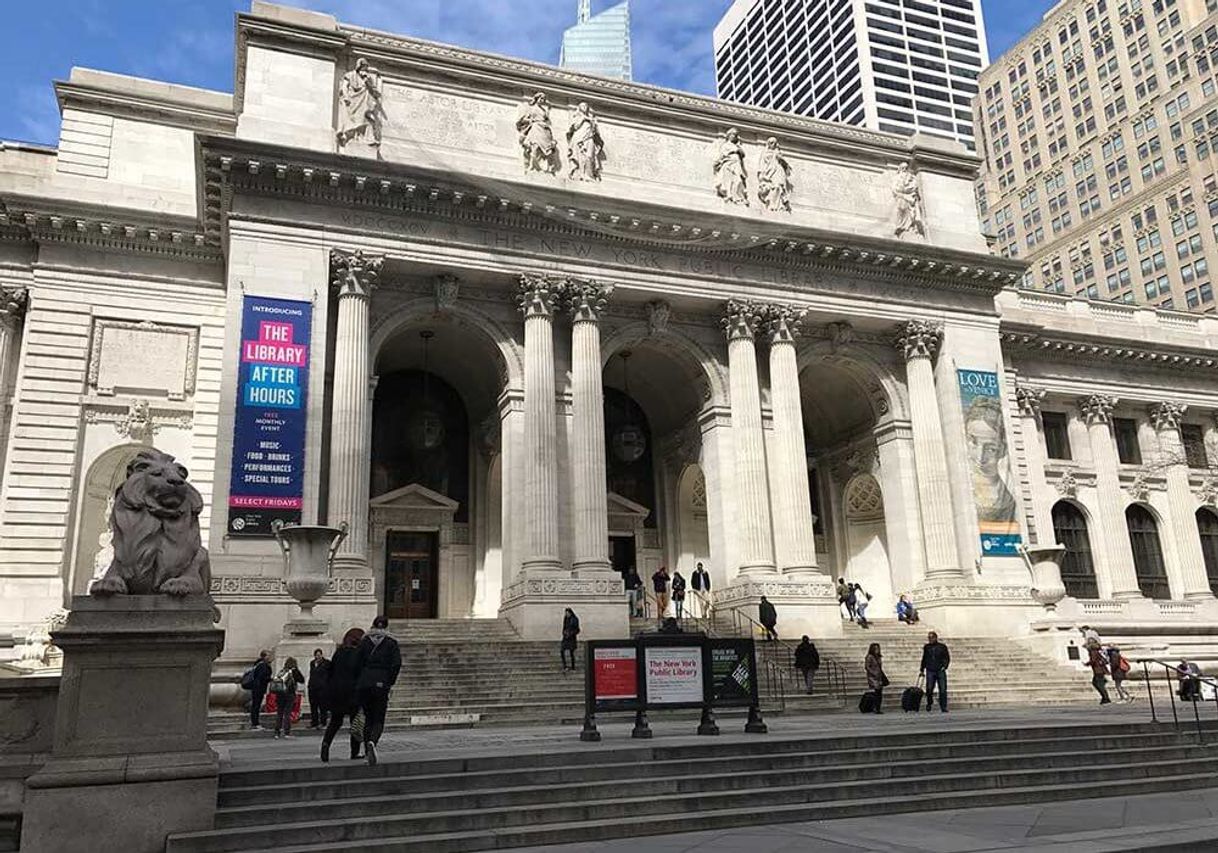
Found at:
(570, 637)
(340, 692)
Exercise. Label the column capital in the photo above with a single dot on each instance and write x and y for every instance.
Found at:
(1167, 415)
(919, 339)
(1029, 398)
(537, 294)
(13, 302)
(741, 319)
(782, 322)
(586, 299)
(354, 273)
(1097, 408)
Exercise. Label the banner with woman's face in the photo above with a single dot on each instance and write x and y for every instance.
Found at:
(989, 462)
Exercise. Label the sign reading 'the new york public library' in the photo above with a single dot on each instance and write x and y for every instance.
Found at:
(269, 431)
(989, 462)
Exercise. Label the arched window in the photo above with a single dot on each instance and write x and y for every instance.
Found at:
(1078, 571)
(1147, 553)
(1207, 526)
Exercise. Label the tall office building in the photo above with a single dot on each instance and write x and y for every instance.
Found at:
(1099, 160)
(599, 44)
(896, 65)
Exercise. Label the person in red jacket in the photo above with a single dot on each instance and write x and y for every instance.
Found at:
(1098, 662)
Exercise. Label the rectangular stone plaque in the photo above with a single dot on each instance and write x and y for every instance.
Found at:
(144, 357)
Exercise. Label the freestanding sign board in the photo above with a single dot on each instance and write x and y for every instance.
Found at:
(673, 676)
(615, 676)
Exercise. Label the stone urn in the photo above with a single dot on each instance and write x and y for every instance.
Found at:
(1045, 563)
(308, 553)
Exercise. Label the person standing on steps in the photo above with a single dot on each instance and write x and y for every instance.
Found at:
(700, 582)
(634, 585)
(380, 661)
(807, 661)
(319, 671)
(678, 594)
(341, 700)
(1119, 667)
(768, 617)
(659, 584)
(843, 597)
(284, 685)
(570, 637)
(1099, 668)
(258, 677)
(876, 679)
(935, 660)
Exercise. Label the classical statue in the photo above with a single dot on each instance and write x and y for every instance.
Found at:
(361, 115)
(585, 148)
(908, 195)
(731, 180)
(774, 178)
(157, 546)
(537, 143)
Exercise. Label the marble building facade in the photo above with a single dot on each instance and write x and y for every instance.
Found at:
(562, 324)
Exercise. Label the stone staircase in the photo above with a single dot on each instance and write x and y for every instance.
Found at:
(576, 794)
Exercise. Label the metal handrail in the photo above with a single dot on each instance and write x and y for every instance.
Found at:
(1172, 672)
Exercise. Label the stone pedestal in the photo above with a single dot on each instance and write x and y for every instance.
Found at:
(130, 762)
(534, 606)
(804, 605)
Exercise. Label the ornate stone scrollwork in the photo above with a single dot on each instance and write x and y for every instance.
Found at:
(1139, 489)
(731, 175)
(361, 112)
(742, 318)
(774, 178)
(919, 339)
(585, 147)
(13, 302)
(659, 313)
(1097, 408)
(782, 322)
(1167, 415)
(446, 289)
(586, 299)
(537, 144)
(1207, 493)
(355, 273)
(1029, 399)
(538, 295)
(1067, 486)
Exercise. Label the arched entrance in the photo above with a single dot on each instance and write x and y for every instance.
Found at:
(92, 548)
(866, 541)
(1078, 568)
(1147, 552)
(1207, 528)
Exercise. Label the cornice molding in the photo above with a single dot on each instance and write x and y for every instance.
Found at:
(1061, 348)
(115, 230)
(142, 107)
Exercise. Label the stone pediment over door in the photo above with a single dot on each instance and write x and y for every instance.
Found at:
(414, 504)
(625, 516)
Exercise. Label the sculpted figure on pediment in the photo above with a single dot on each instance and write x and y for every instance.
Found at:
(774, 178)
(361, 115)
(537, 144)
(910, 215)
(585, 148)
(731, 178)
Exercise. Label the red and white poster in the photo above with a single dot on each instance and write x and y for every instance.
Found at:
(615, 673)
(674, 675)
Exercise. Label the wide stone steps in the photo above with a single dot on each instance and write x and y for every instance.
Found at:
(498, 801)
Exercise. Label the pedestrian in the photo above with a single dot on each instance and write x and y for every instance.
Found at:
(380, 661)
(634, 585)
(768, 616)
(906, 612)
(284, 685)
(700, 582)
(843, 597)
(659, 584)
(1190, 681)
(256, 680)
(319, 671)
(861, 600)
(1099, 668)
(935, 660)
(876, 679)
(678, 593)
(570, 637)
(807, 661)
(340, 696)
(1119, 667)
(1091, 637)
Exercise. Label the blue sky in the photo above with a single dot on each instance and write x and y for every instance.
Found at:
(191, 41)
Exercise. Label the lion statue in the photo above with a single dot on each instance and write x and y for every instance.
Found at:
(157, 547)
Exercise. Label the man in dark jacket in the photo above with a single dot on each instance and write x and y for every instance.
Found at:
(659, 584)
(807, 661)
(634, 586)
(768, 616)
(319, 669)
(935, 661)
(260, 679)
(700, 583)
(380, 662)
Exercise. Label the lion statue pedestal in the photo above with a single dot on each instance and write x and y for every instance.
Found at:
(131, 761)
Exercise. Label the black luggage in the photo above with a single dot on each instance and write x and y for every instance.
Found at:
(867, 703)
(911, 698)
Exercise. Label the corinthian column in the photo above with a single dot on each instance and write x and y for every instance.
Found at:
(13, 301)
(1096, 410)
(794, 538)
(586, 300)
(1029, 400)
(1181, 505)
(919, 340)
(353, 275)
(537, 296)
(752, 503)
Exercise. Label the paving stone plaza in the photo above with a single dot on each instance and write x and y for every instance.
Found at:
(402, 328)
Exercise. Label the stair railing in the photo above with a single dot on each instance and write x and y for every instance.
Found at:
(1174, 678)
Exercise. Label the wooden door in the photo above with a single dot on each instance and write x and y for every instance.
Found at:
(411, 575)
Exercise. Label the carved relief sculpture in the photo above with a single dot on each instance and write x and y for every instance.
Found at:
(731, 178)
(585, 148)
(157, 546)
(910, 215)
(659, 313)
(774, 178)
(13, 301)
(446, 289)
(537, 144)
(361, 114)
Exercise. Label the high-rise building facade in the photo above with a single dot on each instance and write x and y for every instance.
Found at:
(1099, 162)
(599, 44)
(907, 66)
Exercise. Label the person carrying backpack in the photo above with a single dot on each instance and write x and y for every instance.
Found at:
(380, 660)
(1118, 666)
(255, 680)
(284, 685)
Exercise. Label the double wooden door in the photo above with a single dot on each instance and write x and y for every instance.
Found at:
(411, 575)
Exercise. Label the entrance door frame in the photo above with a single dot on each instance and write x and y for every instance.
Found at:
(434, 538)
(417, 509)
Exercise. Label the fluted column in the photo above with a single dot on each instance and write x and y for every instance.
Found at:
(1181, 505)
(13, 302)
(1029, 400)
(353, 275)
(795, 539)
(919, 341)
(1096, 410)
(752, 503)
(586, 300)
(537, 296)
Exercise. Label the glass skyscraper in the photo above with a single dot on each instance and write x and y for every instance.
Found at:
(599, 44)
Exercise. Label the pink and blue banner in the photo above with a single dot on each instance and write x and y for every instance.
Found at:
(267, 482)
(989, 462)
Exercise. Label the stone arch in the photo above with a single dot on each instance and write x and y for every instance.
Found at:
(867, 562)
(92, 529)
(886, 392)
(693, 534)
(1145, 529)
(683, 347)
(1072, 528)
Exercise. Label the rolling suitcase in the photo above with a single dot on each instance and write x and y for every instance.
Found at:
(911, 697)
(867, 703)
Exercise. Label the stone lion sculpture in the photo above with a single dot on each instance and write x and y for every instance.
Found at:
(157, 546)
